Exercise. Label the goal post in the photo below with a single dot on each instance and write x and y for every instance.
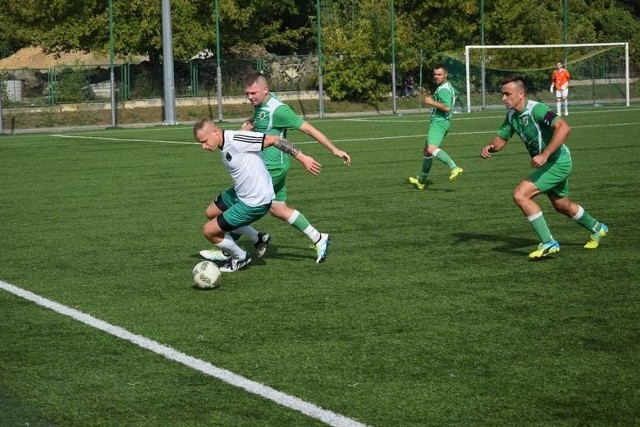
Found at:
(484, 48)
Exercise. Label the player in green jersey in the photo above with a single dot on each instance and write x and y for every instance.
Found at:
(273, 117)
(442, 102)
(543, 133)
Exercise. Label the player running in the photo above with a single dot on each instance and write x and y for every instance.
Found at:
(543, 133)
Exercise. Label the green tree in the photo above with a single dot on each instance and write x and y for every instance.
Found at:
(65, 25)
(356, 45)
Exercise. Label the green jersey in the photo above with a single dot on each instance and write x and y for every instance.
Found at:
(445, 94)
(274, 118)
(534, 127)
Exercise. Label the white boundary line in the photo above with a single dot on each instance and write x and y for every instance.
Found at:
(111, 138)
(381, 118)
(288, 401)
(380, 138)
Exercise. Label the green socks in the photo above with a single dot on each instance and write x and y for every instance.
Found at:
(444, 158)
(586, 220)
(540, 227)
(426, 167)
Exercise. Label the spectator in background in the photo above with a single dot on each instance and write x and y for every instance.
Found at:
(408, 86)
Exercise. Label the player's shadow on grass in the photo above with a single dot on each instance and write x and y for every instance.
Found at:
(429, 188)
(301, 252)
(506, 244)
(290, 252)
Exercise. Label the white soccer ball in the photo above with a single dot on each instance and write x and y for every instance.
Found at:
(206, 275)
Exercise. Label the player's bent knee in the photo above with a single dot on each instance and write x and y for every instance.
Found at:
(212, 232)
(521, 196)
(280, 211)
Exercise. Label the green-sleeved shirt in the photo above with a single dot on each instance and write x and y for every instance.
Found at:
(444, 94)
(534, 127)
(274, 118)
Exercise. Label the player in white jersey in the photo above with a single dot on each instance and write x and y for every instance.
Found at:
(250, 197)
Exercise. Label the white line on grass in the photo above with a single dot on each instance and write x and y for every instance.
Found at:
(380, 138)
(291, 402)
(107, 138)
(461, 116)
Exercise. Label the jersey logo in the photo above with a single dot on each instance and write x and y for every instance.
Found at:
(228, 156)
(525, 120)
(262, 115)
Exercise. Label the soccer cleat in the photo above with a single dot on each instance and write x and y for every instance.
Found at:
(417, 183)
(321, 247)
(455, 173)
(214, 255)
(262, 244)
(233, 265)
(545, 249)
(594, 240)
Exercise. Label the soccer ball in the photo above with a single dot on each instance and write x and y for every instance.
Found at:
(206, 275)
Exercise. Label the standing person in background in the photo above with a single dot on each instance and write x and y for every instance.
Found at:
(273, 117)
(408, 86)
(543, 133)
(560, 85)
(442, 102)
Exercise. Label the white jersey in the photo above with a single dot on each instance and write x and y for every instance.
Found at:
(241, 153)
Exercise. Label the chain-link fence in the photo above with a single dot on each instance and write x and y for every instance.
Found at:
(79, 95)
(75, 95)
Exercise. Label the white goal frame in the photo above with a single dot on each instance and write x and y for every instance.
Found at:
(543, 46)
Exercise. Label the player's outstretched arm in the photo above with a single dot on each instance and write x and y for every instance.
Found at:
(496, 145)
(314, 133)
(309, 163)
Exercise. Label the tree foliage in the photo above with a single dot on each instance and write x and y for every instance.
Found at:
(356, 33)
(356, 50)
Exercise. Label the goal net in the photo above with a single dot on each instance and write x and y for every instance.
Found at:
(599, 72)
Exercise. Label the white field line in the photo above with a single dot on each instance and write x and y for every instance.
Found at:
(288, 401)
(380, 138)
(424, 116)
(384, 118)
(111, 138)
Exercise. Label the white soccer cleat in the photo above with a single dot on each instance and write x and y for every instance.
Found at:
(214, 255)
(321, 247)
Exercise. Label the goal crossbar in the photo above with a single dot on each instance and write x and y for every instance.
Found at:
(544, 46)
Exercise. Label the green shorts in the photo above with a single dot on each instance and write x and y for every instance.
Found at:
(279, 180)
(437, 131)
(235, 213)
(553, 178)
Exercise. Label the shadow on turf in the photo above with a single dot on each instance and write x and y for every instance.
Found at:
(429, 187)
(507, 244)
(290, 252)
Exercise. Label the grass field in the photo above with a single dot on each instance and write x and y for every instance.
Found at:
(427, 311)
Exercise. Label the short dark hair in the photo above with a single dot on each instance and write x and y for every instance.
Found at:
(201, 124)
(254, 77)
(440, 65)
(519, 80)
